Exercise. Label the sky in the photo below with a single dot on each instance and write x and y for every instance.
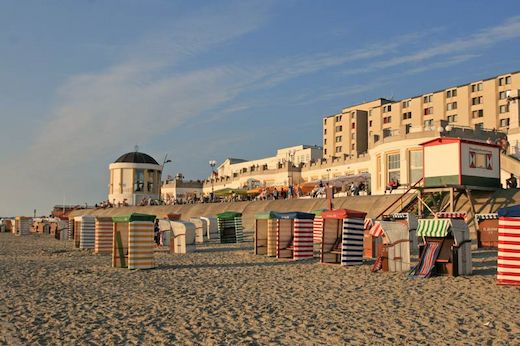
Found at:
(82, 82)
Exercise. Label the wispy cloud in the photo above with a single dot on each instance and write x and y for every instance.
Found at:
(483, 39)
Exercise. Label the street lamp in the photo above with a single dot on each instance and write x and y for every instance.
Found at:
(212, 164)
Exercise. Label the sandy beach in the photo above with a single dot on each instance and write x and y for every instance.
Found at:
(51, 293)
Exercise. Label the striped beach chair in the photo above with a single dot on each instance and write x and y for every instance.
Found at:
(454, 254)
(294, 239)
(70, 232)
(230, 227)
(317, 229)
(342, 237)
(133, 245)
(508, 259)
(265, 233)
(103, 235)
(84, 226)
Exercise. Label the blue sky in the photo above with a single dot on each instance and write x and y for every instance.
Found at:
(82, 82)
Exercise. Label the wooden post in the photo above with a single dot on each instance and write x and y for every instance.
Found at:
(451, 200)
(328, 194)
(419, 204)
(474, 234)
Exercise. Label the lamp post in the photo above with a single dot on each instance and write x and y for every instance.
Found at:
(165, 161)
(212, 164)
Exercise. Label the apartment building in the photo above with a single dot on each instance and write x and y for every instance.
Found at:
(482, 104)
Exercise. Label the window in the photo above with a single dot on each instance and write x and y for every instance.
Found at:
(504, 108)
(501, 81)
(353, 125)
(452, 118)
(325, 141)
(406, 104)
(325, 131)
(370, 123)
(353, 146)
(139, 180)
(387, 132)
(338, 117)
(428, 123)
(428, 111)
(508, 80)
(353, 115)
(479, 125)
(407, 115)
(324, 151)
(353, 136)
(338, 139)
(393, 162)
(503, 94)
(451, 106)
(477, 114)
(427, 99)
(416, 166)
(476, 87)
(369, 112)
(504, 122)
(325, 121)
(339, 128)
(451, 93)
(407, 128)
(387, 120)
(387, 108)
(476, 100)
(338, 149)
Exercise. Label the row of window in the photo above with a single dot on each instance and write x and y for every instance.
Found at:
(502, 95)
(504, 80)
(479, 113)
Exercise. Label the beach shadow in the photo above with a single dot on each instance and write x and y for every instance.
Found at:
(233, 265)
(223, 249)
(487, 262)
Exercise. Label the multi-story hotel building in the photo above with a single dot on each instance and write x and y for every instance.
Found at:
(482, 104)
(383, 137)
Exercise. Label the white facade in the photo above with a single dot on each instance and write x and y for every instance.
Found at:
(130, 182)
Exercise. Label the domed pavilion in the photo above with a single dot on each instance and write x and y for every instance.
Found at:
(134, 176)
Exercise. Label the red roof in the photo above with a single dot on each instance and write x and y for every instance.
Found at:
(449, 140)
(343, 214)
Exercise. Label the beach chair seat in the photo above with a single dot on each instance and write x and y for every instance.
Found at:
(290, 245)
(336, 248)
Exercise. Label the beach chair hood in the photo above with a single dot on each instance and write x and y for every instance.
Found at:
(294, 215)
(343, 214)
(513, 211)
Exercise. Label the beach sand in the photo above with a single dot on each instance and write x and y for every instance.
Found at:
(51, 293)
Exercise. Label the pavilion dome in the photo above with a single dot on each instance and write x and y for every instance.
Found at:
(136, 157)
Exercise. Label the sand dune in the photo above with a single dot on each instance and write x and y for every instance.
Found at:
(51, 293)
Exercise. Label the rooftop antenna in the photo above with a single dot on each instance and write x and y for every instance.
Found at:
(136, 148)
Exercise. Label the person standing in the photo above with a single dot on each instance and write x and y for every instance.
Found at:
(512, 182)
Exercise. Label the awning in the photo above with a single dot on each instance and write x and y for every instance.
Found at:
(433, 227)
(376, 230)
(399, 215)
(451, 215)
(490, 216)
